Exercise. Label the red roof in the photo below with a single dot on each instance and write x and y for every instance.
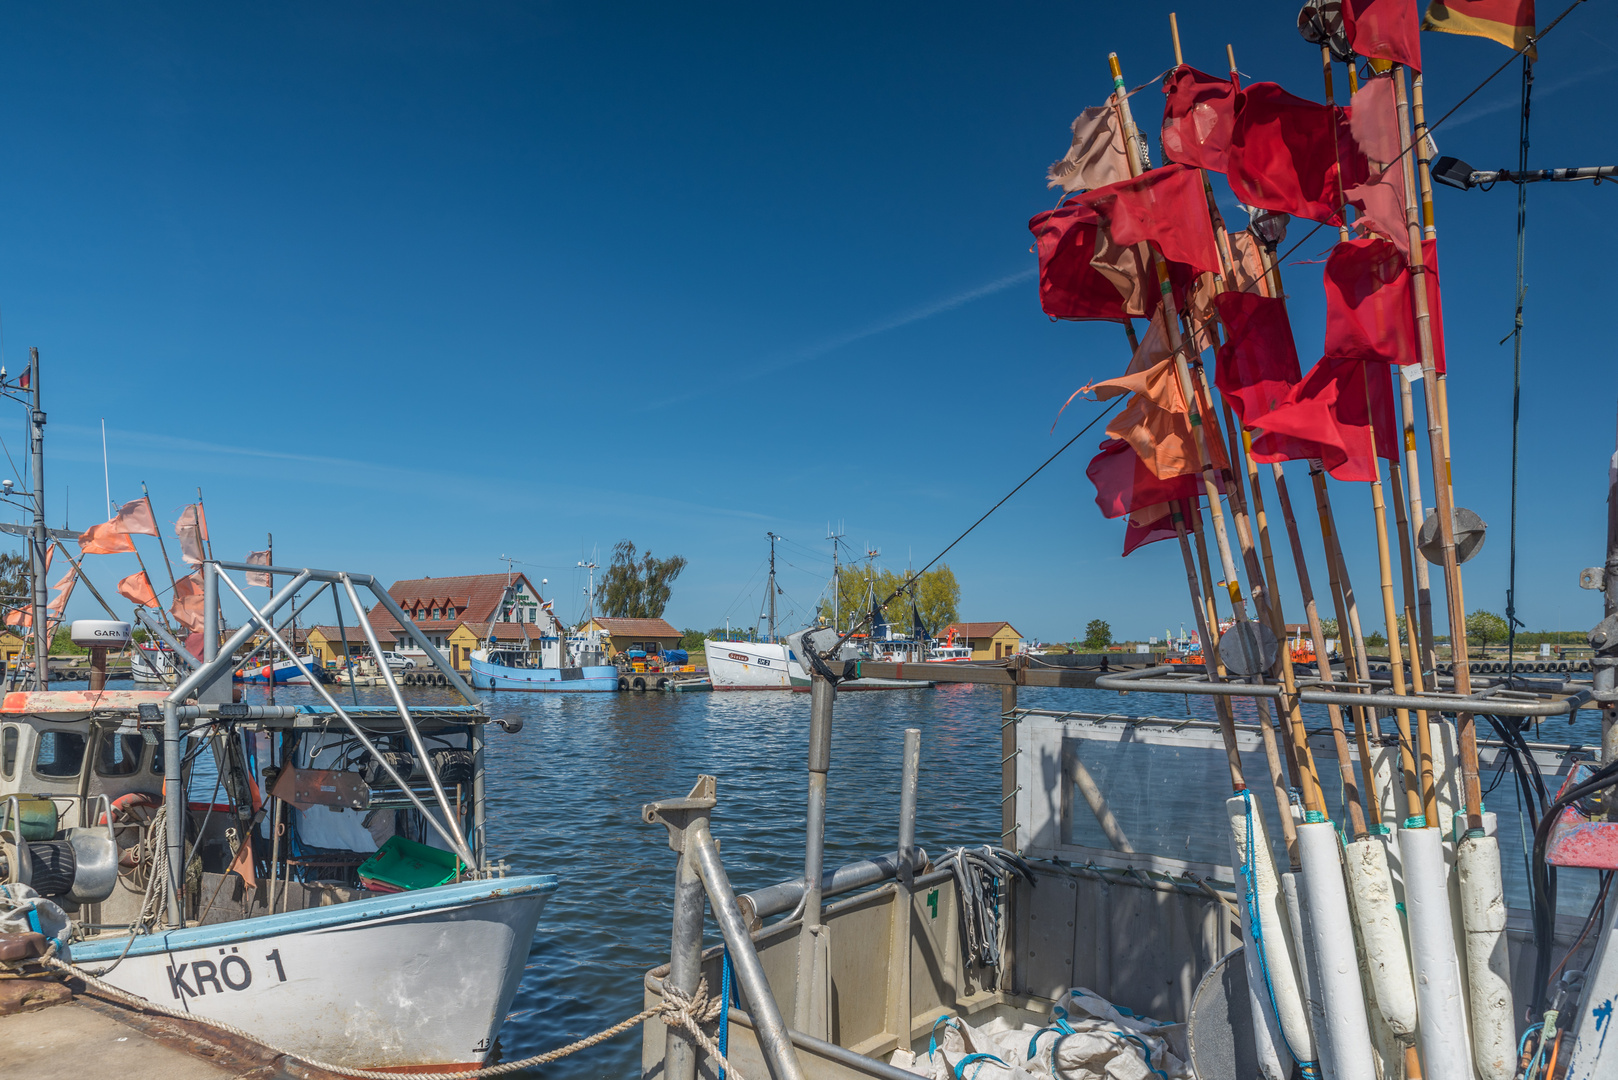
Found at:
(624, 629)
(355, 635)
(978, 629)
(474, 597)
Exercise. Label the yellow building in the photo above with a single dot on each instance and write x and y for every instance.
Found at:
(650, 635)
(11, 646)
(988, 640)
(326, 643)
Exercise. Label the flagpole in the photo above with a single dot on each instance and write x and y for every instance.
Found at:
(173, 584)
(1227, 722)
(1438, 435)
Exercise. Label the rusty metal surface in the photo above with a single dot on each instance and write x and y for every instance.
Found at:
(78, 701)
(304, 788)
(28, 995)
(1579, 840)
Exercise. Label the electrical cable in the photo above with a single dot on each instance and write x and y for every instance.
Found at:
(1544, 912)
(1512, 622)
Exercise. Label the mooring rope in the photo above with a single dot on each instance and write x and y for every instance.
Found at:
(677, 1009)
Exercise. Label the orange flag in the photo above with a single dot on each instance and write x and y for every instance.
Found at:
(1510, 22)
(136, 517)
(187, 607)
(20, 617)
(105, 539)
(137, 588)
(1156, 422)
(64, 590)
(242, 864)
(192, 529)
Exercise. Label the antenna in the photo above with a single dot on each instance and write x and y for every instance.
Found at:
(590, 591)
(836, 538)
(773, 538)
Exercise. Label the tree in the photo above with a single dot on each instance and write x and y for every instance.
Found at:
(637, 588)
(1376, 640)
(1097, 635)
(936, 594)
(1486, 626)
(1328, 628)
(14, 581)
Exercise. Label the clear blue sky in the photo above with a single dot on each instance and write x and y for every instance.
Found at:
(415, 285)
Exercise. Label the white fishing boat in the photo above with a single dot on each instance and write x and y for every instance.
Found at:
(754, 665)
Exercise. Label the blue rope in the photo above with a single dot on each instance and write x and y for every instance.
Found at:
(1311, 1069)
(981, 1059)
(724, 1010)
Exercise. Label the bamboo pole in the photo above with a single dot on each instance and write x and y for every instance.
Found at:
(1438, 436)
(1418, 676)
(1227, 723)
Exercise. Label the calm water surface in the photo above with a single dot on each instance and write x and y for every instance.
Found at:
(565, 796)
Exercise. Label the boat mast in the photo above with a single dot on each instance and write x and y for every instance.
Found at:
(773, 539)
(42, 647)
(836, 582)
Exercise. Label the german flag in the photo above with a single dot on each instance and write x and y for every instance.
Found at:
(1510, 22)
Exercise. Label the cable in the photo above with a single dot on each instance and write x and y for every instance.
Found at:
(1512, 622)
(1544, 914)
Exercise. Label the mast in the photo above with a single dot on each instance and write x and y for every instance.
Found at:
(42, 646)
(836, 582)
(269, 683)
(773, 539)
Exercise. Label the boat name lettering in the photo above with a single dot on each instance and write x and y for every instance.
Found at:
(739, 656)
(230, 973)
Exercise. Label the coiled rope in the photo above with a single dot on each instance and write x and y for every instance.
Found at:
(677, 1009)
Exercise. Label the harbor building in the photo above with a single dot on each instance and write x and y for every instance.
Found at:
(988, 640)
(650, 635)
(454, 613)
(325, 643)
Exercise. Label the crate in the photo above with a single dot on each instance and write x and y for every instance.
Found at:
(401, 864)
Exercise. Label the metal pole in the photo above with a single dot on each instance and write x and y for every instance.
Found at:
(42, 646)
(821, 695)
(779, 1053)
(174, 804)
(269, 682)
(480, 803)
(450, 817)
(1603, 677)
(685, 959)
(900, 1014)
(210, 613)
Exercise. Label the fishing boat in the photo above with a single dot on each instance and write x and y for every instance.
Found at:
(562, 663)
(1303, 879)
(287, 672)
(149, 665)
(341, 901)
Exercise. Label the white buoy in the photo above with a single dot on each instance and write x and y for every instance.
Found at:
(1266, 1035)
(1264, 924)
(1488, 967)
(1298, 922)
(1332, 928)
(1445, 1046)
(1382, 933)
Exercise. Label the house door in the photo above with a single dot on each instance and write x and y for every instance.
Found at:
(997, 648)
(455, 657)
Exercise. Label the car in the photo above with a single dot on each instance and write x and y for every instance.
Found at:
(398, 662)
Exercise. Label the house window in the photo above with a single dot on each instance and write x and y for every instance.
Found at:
(438, 613)
(421, 614)
(449, 612)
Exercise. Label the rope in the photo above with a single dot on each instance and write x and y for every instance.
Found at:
(677, 1010)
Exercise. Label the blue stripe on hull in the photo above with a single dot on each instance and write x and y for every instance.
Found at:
(596, 679)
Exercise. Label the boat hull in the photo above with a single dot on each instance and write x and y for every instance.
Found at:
(404, 980)
(286, 673)
(597, 679)
(754, 665)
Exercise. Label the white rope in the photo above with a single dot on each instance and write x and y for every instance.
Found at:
(677, 1010)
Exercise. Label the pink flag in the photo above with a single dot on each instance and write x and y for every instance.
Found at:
(105, 539)
(258, 558)
(20, 617)
(136, 517)
(187, 606)
(192, 529)
(137, 588)
(65, 589)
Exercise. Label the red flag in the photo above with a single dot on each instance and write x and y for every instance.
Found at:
(1198, 117)
(137, 588)
(1369, 314)
(254, 577)
(187, 606)
(1326, 417)
(1165, 207)
(136, 517)
(1069, 287)
(1258, 363)
(105, 539)
(1124, 484)
(192, 529)
(1510, 22)
(1157, 523)
(1292, 155)
(64, 590)
(1384, 30)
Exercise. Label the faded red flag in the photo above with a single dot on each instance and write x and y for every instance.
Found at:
(1258, 363)
(105, 539)
(64, 590)
(1198, 117)
(1157, 523)
(1124, 484)
(1156, 422)
(1292, 155)
(1369, 311)
(137, 589)
(1069, 286)
(1165, 207)
(1328, 416)
(187, 607)
(192, 529)
(1096, 157)
(1384, 30)
(136, 517)
(255, 577)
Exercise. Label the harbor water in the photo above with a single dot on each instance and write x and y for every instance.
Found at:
(565, 796)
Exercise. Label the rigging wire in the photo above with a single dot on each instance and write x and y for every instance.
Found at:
(1512, 622)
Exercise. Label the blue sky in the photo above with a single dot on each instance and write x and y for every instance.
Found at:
(415, 286)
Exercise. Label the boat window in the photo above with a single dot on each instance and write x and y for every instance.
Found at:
(118, 755)
(60, 753)
(157, 759)
(8, 752)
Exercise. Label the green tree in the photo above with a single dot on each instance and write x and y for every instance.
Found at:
(1328, 628)
(637, 586)
(14, 582)
(1485, 626)
(1097, 635)
(937, 596)
(1376, 640)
